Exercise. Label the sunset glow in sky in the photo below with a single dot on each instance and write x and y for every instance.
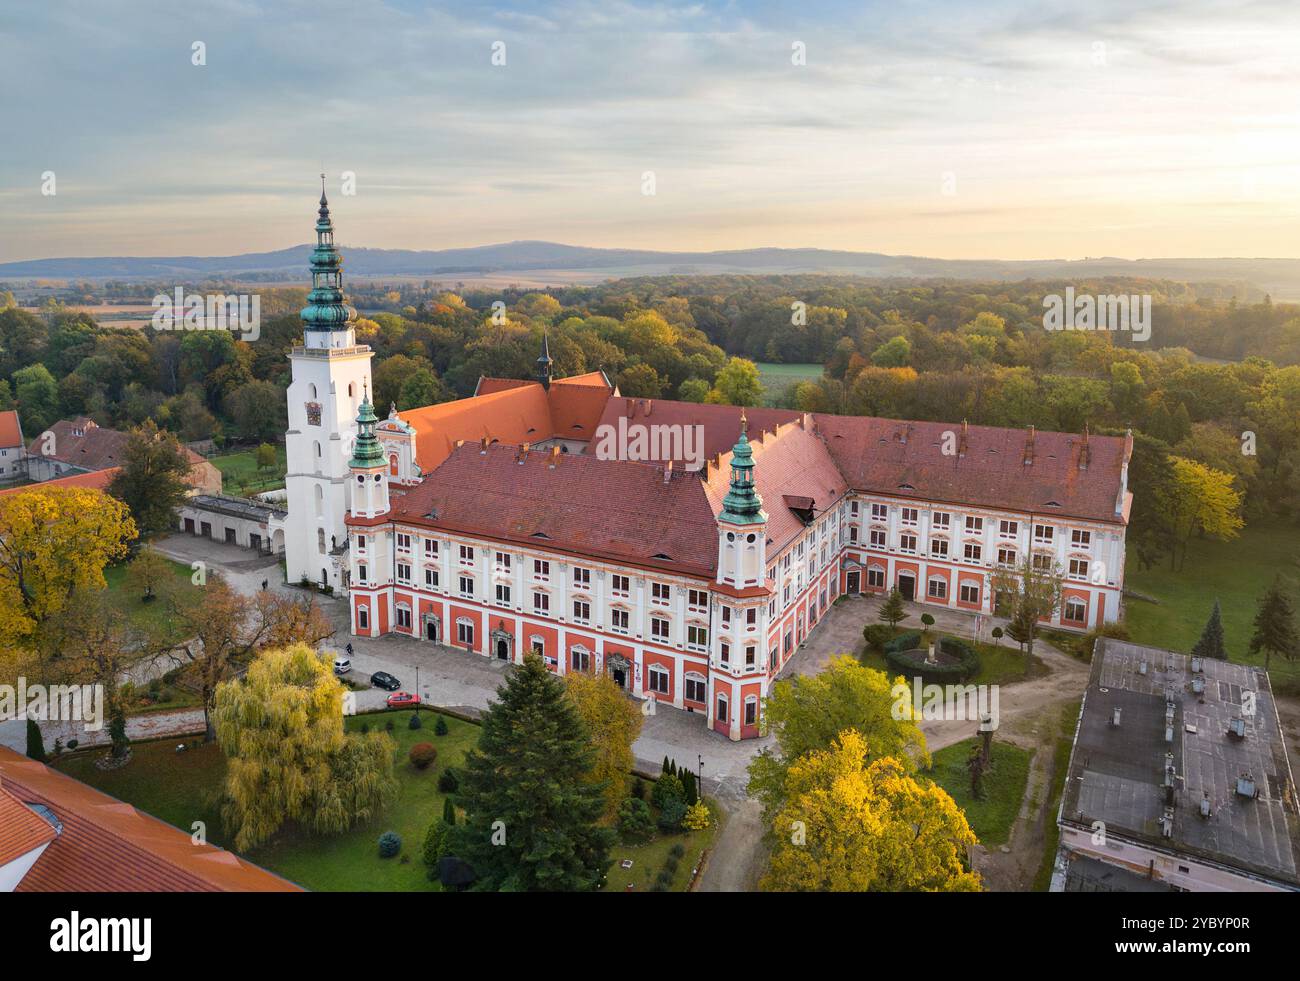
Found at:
(956, 130)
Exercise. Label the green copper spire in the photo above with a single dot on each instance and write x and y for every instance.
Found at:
(366, 451)
(325, 309)
(742, 505)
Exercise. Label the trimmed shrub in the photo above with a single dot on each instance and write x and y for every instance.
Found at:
(678, 850)
(415, 722)
(435, 842)
(390, 843)
(448, 781)
(672, 814)
(965, 661)
(440, 727)
(422, 754)
(35, 742)
(635, 822)
(697, 817)
(668, 788)
(877, 635)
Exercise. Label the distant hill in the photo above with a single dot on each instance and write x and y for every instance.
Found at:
(1279, 276)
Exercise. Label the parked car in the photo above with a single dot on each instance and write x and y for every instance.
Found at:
(342, 665)
(384, 680)
(403, 699)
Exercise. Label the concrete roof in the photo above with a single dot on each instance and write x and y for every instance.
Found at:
(1118, 773)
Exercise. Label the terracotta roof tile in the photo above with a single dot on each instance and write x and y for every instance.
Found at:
(874, 458)
(11, 433)
(572, 503)
(22, 830)
(720, 423)
(109, 846)
(95, 480)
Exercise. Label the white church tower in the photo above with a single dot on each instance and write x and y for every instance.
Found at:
(330, 374)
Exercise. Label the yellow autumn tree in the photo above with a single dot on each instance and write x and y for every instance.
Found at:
(54, 544)
(1200, 499)
(848, 825)
(614, 721)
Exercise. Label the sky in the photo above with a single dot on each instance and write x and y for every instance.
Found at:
(987, 129)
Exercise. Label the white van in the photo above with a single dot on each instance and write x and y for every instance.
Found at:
(341, 665)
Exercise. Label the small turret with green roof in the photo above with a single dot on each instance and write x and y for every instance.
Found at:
(366, 451)
(743, 505)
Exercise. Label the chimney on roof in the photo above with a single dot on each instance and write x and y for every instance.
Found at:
(1029, 447)
(668, 471)
(649, 404)
(523, 451)
(1085, 451)
(555, 456)
(482, 446)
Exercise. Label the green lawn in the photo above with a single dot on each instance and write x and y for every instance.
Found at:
(776, 378)
(152, 616)
(1064, 742)
(241, 476)
(649, 858)
(1004, 786)
(999, 664)
(1235, 573)
(179, 788)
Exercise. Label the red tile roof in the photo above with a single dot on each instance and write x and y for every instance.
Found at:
(509, 411)
(81, 443)
(720, 423)
(95, 480)
(109, 846)
(22, 830)
(573, 503)
(792, 469)
(11, 433)
(906, 459)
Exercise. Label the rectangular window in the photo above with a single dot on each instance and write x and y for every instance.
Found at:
(724, 653)
(430, 548)
(876, 577)
(618, 621)
(581, 611)
(465, 634)
(1075, 610)
(751, 656)
(659, 628)
(541, 568)
(467, 587)
(697, 638)
(974, 525)
(467, 553)
(1080, 538)
(361, 543)
(972, 552)
(1006, 557)
(941, 520)
(697, 599)
(751, 616)
(970, 593)
(541, 604)
(910, 516)
(879, 512)
(431, 578)
(939, 548)
(403, 542)
(726, 612)
(1043, 562)
(361, 573)
(620, 585)
(695, 690)
(1043, 534)
(363, 618)
(751, 712)
(1079, 568)
(503, 594)
(581, 577)
(853, 533)
(659, 679)
(660, 592)
(938, 588)
(581, 660)
(878, 537)
(404, 617)
(403, 572)
(503, 561)
(1008, 529)
(907, 542)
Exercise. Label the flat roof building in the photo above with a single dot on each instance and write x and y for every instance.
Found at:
(1179, 778)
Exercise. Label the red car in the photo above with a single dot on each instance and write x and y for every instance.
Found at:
(403, 699)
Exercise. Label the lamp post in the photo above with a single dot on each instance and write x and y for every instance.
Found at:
(699, 773)
(417, 689)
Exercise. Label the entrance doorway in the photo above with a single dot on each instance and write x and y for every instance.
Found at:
(854, 583)
(431, 631)
(620, 669)
(503, 650)
(907, 585)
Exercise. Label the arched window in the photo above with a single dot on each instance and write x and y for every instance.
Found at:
(392, 464)
(320, 502)
(312, 389)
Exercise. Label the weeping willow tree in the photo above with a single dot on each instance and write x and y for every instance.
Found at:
(289, 760)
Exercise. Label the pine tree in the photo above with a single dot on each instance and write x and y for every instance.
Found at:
(1211, 642)
(1275, 629)
(35, 742)
(665, 764)
(532, 817)
(892, 611)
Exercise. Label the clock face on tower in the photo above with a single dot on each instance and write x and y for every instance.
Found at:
(313, 413)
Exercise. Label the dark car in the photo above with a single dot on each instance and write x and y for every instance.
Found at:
(384, 680)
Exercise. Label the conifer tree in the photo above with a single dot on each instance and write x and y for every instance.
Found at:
(1211, 642)
(892, 611)
(1275, 629)
(533, 816)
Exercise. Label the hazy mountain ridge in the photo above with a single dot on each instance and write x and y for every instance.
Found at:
(1281, 275)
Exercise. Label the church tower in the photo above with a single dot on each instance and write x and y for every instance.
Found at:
(739, 658)
(330, 374)
(369, 468)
